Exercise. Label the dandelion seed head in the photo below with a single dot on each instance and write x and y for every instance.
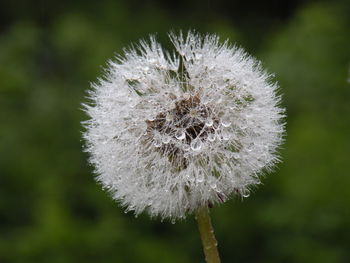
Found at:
(170, 132)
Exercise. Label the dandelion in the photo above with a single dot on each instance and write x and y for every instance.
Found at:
(174, 133)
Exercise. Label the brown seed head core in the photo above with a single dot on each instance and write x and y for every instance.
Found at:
(189, 117)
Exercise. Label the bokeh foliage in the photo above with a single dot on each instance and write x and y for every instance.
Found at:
(51, 210)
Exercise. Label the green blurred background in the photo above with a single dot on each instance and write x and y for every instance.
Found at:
(51, 210)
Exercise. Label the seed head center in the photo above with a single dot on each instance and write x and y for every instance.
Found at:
(178, 129)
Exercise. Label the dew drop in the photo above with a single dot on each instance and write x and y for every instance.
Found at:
(157, 143)
(211, 137)
(225, 135)
(198, 56)
(225, 121)
(209, 122)
(245, 193)
(186, 147)
(166, 139)
(180, 135)
(152, 60)
(200, 177)
(213, 184)
(196, 145)
(236, 156)
(205, 99)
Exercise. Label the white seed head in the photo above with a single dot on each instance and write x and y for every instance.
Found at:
(171, 132)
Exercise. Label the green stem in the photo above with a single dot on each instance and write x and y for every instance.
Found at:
(207, 235)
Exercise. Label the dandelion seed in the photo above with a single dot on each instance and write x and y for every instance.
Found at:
(186, 129)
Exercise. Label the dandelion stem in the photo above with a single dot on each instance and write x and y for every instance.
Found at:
(207, 235)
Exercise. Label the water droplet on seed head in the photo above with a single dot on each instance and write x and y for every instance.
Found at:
(196, 145)
(180, 135)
